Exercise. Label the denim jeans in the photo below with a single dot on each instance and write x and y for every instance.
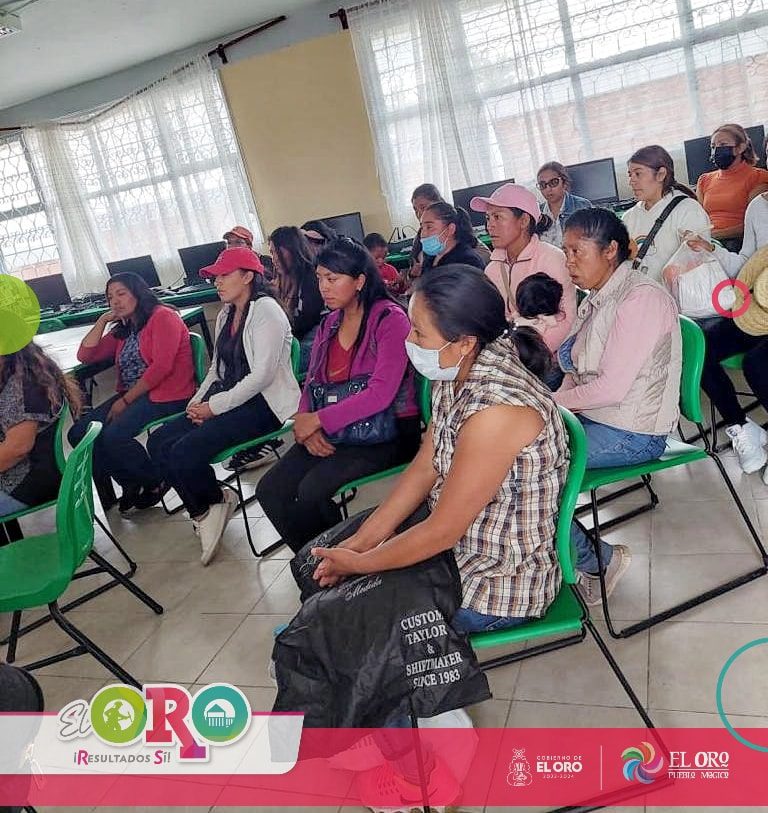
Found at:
(608, 446)
(466, 620)
(9, 505)
(117, 453)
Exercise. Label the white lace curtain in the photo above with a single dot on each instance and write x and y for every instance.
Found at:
(462, 92)
(153, 173)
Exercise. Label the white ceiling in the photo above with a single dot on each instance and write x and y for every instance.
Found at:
(66, 42)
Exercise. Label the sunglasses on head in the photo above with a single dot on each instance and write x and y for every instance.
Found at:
(555, 182)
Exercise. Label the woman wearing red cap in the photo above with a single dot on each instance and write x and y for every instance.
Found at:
(250, 390)
(514, 224)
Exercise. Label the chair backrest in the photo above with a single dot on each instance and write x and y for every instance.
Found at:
(577, 443)
(296, 359)
(424, 398)
(58, 438)
(198, 356)
(74, 508)
(49, 325)
(694, 348)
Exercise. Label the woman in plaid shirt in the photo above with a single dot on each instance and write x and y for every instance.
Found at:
(491, 466)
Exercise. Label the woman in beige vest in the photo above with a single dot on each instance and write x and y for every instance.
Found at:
(621, 363)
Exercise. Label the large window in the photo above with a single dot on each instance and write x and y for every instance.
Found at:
(27, 242)
(462, 92)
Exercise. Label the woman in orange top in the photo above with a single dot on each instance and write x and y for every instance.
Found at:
(725, 193)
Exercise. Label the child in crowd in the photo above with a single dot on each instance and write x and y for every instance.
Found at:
(378, 248)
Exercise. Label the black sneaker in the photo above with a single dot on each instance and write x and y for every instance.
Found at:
(150, 496)
(254, 458)
(128, 498)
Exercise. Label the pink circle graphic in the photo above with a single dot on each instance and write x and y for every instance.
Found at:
(727, 283)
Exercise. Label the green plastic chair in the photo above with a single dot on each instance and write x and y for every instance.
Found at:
(199, 361)
(37, 571)
(101, 565)
(49, 325)
(676, 454)
(349, 490)
(568, 615)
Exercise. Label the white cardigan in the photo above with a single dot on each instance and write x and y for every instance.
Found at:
(267, 340)
(755, 237)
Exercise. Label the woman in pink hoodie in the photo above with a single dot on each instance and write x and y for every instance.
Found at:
(514, 224)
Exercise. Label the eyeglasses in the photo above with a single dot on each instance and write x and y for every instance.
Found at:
(553, 184)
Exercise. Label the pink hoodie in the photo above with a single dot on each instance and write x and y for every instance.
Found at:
(535, 257)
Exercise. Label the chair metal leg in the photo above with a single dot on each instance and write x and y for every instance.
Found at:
(645, 482)
(13, 637)
(127, 583)
(701, 598)
(90, 647)
(241, 504)
(120, 549)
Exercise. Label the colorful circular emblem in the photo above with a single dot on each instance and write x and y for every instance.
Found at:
(641, 763)
(19, 314)
(221, 713)
(118, 715)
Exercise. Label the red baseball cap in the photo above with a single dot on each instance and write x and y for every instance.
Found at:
(232, 259)
(242, 233)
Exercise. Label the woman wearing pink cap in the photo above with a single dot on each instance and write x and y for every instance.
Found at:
(250, 390)
(514, 223)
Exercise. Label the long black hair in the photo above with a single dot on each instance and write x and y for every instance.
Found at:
(300, 266)
(146, 302)
(602, 226)
(464, 302)
(346, 256)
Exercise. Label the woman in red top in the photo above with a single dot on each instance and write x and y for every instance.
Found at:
(155, 377)
(725, 193)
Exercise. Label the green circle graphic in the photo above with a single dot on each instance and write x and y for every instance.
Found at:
(19, 314)
(719, 695)
(118, 715)
(221, 713)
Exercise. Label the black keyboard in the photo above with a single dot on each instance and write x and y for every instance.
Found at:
(194, 289)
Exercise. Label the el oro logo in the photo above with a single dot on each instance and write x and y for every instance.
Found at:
(161, 714)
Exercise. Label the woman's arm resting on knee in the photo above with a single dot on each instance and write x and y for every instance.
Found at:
(486, 449)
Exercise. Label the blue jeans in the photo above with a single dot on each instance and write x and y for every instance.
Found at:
(466, 620)
(10, 505)
(608, 446)
(116, 453)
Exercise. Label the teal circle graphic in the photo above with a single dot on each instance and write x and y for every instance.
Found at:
(719, 695)
(19, 314)
(221, 713)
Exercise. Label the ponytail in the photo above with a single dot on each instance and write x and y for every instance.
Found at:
(533, 352)
(447, 215)
(538, 227)
(656, 158)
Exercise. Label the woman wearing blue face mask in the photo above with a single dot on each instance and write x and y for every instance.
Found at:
(490, 467)
(447, 238)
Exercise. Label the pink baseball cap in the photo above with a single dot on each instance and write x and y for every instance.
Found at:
(509, 195)
(232, 259)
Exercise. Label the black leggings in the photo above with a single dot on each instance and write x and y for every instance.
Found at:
(725, 339)
(297, 493)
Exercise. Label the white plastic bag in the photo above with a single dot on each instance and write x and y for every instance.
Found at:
(692, 276)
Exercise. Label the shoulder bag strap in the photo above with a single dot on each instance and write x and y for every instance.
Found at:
(648, 242)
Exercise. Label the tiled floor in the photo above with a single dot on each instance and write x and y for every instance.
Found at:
(218, 620)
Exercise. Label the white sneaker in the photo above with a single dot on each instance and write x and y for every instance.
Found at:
(589, 586)
(749, 442)
(213, 524)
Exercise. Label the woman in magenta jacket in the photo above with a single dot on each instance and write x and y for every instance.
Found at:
(363, 338)
(150, 346)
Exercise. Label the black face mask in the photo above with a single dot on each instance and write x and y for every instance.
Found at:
(723, 157)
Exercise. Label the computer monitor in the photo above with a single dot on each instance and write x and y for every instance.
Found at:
(349, 225)
(193, 258)
(462, 197)
(697, 152)
(143, 266)
(51, 291)
(595, 180)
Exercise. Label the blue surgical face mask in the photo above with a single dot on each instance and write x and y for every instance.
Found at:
(427, 362)
(433, 245)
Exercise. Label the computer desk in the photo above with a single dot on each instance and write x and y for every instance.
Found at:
(62, 345)
(195, 316)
